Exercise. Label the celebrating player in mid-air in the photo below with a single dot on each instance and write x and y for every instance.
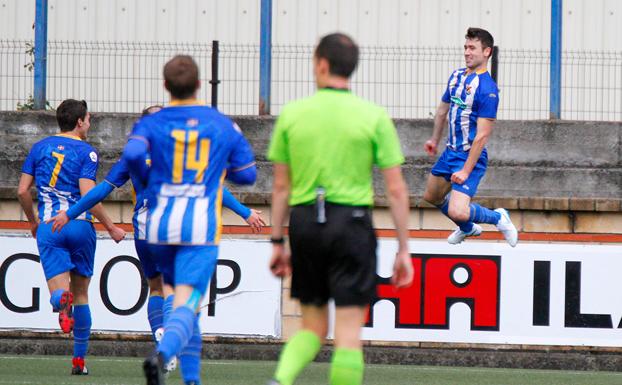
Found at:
(192, 148)
(469, 108)
(63, 168)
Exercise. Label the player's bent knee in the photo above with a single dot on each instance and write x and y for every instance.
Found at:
(458, 215)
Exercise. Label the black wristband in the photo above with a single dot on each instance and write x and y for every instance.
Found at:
(277, 241)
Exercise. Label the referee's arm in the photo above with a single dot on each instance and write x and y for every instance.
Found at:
(279, 264)
(397, 194)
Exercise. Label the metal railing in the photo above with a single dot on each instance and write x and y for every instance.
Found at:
(408, 81)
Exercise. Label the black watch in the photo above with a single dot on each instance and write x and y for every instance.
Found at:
(277, 241)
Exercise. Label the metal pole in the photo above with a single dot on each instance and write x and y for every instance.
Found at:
(41, 52)
(494, 63)
(265, 57)
(556, 59)
(215, 81)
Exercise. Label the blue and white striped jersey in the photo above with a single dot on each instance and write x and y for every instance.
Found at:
(470, 96)
(191, 147)
(57, 164)
(118, 175)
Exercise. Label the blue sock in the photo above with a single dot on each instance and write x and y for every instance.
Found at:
(190, 358)
(55, 298)
(466, 227)
(167, 308)
(81, 329)
(480, 214)
(155, 313)
(177, 332)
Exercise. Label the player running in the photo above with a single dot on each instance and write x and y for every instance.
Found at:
(160, 298)
(192, 148)
(63, 168)
(469, 108)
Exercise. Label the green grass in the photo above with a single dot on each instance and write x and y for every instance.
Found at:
(36, 370)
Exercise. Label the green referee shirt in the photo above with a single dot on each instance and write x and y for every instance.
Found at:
(332, 139)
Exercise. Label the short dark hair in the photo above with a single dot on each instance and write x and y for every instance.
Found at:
(482, 35)
(68, 113)
(147, 111)
(181, 76)
(340, 51)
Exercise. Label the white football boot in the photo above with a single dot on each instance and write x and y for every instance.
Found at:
(458, 236)
(507, 228)
(171, 365)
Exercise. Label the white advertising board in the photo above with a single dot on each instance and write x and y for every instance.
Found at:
(488, 292)
(245, 298)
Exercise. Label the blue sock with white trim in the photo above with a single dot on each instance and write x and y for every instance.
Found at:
(466, 227)
(190, 358)
(81, 329)
(177, 332)
(55, 298)
(481, 214)
(155, 313)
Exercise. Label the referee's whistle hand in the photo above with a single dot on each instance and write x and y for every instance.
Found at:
(402, 270)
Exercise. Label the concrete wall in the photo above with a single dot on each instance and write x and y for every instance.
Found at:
(532, 159)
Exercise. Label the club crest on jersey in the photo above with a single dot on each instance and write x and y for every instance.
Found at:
(468, 90)
(192, 122)
(93, 156)
(60, 147)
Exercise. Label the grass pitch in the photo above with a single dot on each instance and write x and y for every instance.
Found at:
(54, 370)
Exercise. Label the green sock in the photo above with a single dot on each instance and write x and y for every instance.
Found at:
(298, 352)
(347, 367)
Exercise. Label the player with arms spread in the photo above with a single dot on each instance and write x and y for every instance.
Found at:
(192, 148)
(63, 168)
(469, 108)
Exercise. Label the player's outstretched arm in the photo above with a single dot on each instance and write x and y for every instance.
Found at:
(397, 194)
(93, 197)
(25, 200)
(116, 233)
(243, 175)
(252, 217)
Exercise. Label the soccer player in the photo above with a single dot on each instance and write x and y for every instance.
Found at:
(192, 148)
(118, 175)
(63, 167)
(469, 108)
(324, 148)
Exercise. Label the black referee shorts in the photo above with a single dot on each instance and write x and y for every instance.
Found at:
(336, 259)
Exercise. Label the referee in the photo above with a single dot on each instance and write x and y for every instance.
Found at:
(324, 148)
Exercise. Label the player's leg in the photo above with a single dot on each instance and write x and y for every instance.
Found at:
(461, 207)
(155, 303)
(83, 322)
(437, 191)
(347, 365)
(302, 348)
(194, 266)
(56, 263)
(81, 242)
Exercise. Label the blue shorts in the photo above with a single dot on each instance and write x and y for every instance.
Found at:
(452, 161)
(186, 265)
(147, 259)
(72, 249)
